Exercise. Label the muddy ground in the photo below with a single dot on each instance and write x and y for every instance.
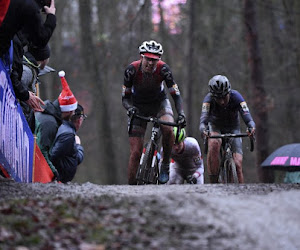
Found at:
(89, 216)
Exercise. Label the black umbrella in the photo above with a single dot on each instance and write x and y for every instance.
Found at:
(285, 158)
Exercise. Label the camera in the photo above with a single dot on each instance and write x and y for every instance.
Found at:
(43, 3)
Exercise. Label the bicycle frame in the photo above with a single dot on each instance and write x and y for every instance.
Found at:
(227, 170)
(148, 170)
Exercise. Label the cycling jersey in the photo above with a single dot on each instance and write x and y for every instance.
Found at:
(140, 88)
(187, 162)
(226, 117)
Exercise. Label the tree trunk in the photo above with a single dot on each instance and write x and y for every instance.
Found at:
(100, 115)
(191, 71)
(258, 91)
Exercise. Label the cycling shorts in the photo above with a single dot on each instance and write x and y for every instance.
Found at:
(158, 110)
(237, 146)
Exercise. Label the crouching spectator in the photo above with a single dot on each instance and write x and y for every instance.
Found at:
(66, 152)
(186, 164)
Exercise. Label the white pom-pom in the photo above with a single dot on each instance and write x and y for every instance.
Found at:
(61, 73)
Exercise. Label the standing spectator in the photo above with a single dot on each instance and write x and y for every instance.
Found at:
(187, 163)
(26, 15)
(67, 153)
(34, 60)
(144, 92)
(3, 9)
(48, 121)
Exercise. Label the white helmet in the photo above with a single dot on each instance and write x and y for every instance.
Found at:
(219, 85)
(151, 47)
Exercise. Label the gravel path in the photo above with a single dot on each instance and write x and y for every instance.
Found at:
(89, 216)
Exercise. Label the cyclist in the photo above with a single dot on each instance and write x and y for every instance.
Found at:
(187, 163)
(220, 114)
(143, 92)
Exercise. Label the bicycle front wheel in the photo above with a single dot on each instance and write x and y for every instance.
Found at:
(145, 164)
(231, 171)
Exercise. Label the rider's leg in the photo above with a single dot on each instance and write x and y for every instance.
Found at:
(238, 156)
(213, 158)
(166, 114)
(167, 143)
(167, 138)
(238, 159)
(136, 147)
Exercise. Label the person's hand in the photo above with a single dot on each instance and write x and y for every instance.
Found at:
(205, 134)
(77, 139)
(51, 9)
(131, 111)
(35, 102)
(181, 120)
(251, 132)
(56, 175)
(191, 179)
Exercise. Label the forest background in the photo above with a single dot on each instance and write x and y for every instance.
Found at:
(254, 43)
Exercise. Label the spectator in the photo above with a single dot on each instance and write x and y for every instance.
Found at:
(48, 121)
(187, 163)
(67, 153)
(25, 14)
(3, 9)
(33, 60)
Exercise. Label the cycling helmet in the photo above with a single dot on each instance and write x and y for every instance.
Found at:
(219, 86)
(181, 135)
(151, 49)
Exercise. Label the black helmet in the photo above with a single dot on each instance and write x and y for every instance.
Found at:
(219, 86)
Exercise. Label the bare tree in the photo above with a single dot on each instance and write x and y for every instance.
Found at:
(259, 100)
(106, 157)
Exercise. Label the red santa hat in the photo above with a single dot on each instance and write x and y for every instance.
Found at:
(66, 99)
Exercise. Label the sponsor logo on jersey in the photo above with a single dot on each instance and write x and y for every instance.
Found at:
(205, 107)
(176, 89)
(244, 106)
(197, 160)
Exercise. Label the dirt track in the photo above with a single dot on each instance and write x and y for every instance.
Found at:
(89, 216)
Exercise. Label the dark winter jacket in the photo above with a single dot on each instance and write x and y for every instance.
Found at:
(46, 126)
(25, 14)
(65, 154)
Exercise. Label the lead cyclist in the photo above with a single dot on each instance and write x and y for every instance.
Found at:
(144, 93)
(220, 114)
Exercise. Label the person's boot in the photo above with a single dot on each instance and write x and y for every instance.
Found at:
(213, 178)
(164, 173)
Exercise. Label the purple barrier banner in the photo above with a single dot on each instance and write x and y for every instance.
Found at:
(16, 139)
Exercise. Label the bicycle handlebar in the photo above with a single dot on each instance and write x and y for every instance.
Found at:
(229, 135)
(151, 119)
(156, 120)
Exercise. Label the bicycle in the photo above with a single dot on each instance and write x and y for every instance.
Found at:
(227, 169)
(148, 170)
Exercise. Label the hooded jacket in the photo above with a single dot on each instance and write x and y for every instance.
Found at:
(46, 126)
(65, 154)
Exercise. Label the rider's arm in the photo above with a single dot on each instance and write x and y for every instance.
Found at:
(173, 88)
(204, 118)
(127, 87)
(245, 113)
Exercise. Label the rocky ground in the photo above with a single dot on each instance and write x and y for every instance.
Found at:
(89, 216)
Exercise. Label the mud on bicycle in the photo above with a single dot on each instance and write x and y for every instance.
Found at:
(227, 167)
(148, 170)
